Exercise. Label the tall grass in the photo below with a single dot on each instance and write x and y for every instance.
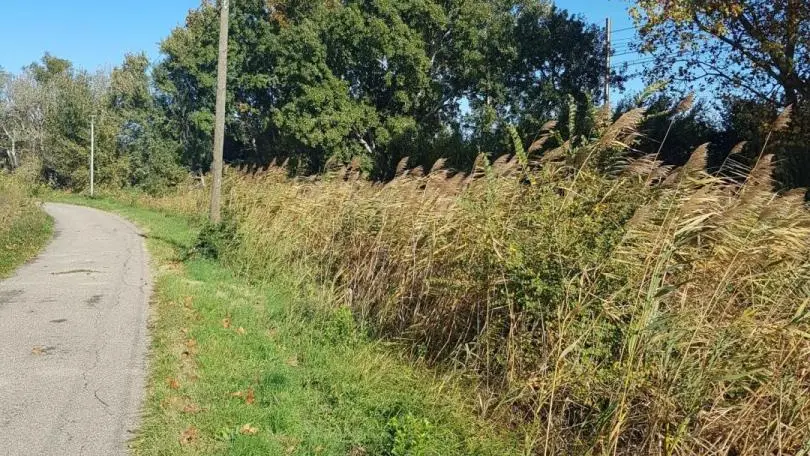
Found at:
(606, 304)
(24, 227)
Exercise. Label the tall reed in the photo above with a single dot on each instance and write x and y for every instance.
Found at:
(605, 304)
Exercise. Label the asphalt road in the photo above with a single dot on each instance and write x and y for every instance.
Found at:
(73, 339)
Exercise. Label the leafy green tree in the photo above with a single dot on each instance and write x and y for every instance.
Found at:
(757, 47)
(326, 82)
(71, 101)
(755, 55)
(142, 137)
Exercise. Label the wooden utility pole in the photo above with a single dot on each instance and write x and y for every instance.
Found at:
(608, 50)
(92, 154)
(219, 128)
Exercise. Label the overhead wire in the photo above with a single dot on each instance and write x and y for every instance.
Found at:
(623, 29)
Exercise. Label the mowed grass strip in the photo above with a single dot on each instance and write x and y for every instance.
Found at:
(242, 368)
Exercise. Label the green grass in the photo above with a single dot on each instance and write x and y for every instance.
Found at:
(262, 369)
(23, 239)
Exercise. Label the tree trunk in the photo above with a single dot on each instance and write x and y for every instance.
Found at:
(219, 128)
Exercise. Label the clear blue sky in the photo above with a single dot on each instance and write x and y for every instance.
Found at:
(91, 33)
(97, 33)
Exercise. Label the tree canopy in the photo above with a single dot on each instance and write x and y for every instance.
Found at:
(326, 82)
(757, 47)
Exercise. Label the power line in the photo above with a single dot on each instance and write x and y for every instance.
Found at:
(636, 63)
(624, 29)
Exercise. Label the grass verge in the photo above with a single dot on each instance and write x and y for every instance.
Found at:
(24, 227)
(23, 239)
(248, 368)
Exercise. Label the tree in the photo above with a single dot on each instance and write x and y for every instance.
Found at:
(760, 48)
(142, 138)
(330, 82)
(754, 55)
(23, 106)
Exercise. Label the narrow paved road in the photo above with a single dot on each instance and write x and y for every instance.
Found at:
(73, 339)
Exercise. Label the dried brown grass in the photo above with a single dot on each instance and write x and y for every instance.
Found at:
(650, 311)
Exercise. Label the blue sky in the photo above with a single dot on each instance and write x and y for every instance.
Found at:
(91, 33)
(97, 33)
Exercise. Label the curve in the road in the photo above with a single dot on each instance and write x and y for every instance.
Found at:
(73, 339)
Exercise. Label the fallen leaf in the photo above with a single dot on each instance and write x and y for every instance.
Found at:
(250, 398)
(38, 351)
(241, 331)
(173, 383)
(357, 451)
(192, 409)
(237, 394)
(226, 323)
(189, 436)
(248, 430)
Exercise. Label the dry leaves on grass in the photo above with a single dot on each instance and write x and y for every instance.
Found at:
(191, 348)
(357, 451)
(173, 383)
(192, 409)
(226, 323)
(182, 404)
(248, 430)
(189, 436)
(249, 396)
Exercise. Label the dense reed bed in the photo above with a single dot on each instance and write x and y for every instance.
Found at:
(603, 303)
